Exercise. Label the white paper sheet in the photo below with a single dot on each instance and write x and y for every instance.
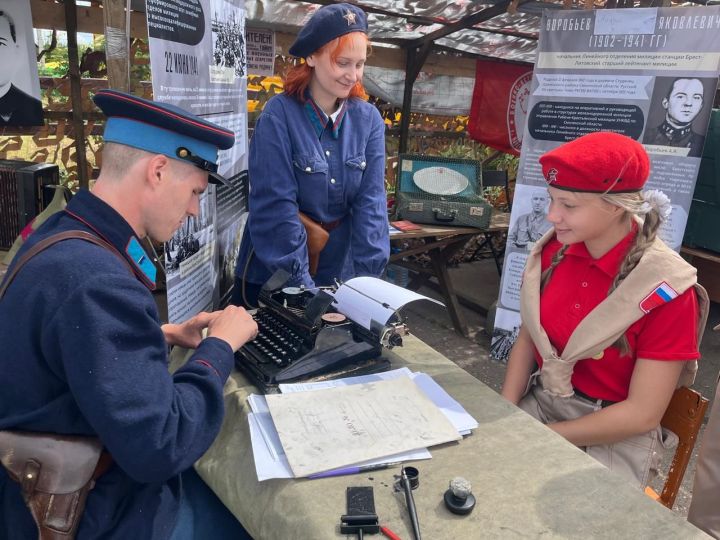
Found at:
(270, 461)
(266, 467)
(335, 427)
(367, 299)
(345, 381)
(453, 410)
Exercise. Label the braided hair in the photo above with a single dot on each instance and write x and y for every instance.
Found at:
(650, 217)
(649, 209)
(545, 278)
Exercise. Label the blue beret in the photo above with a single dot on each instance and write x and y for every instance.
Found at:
(165, 129)
(326, 24)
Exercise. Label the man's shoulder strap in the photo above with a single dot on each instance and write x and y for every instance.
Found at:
(54, 239)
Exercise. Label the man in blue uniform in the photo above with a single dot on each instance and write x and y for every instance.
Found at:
(682, 104)
(84, 351)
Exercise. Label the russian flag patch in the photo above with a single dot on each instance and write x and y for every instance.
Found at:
(660, 295)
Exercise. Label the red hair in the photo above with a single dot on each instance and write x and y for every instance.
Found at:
(298, 77)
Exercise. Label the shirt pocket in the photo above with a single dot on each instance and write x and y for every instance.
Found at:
(354, 169)
(311, 172)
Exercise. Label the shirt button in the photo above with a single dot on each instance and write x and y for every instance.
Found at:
(577, 306)
(363, 164)
(327, 152)
(584, 283)
(308, 169)
(332, 180)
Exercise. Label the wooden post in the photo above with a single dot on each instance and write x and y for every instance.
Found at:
(75, 92)
(117, 54)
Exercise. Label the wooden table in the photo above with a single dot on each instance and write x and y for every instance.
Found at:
(441, 244)
(529, 482)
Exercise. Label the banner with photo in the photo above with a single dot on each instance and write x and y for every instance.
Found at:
(198, 62)
(500, 104)
(20, 103)
(648, 73)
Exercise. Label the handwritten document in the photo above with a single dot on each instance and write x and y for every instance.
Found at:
(335, 427)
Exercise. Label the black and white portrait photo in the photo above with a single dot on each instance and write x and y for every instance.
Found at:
(679, 113)
(20, 103)
(531, 208)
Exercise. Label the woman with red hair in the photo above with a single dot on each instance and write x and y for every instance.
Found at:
(317, 163)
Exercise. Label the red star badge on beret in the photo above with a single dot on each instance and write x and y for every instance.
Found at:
(552, 176)
(349, 17)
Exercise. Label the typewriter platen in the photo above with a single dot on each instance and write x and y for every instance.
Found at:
(302, 337)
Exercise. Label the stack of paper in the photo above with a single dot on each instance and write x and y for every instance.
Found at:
(360, 421)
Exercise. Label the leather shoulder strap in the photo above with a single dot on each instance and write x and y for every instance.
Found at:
(54, 239)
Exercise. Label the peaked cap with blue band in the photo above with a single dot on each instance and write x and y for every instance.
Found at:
(162, 128)
(326, 24)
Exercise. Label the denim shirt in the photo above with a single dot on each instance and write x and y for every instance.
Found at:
(329, 173)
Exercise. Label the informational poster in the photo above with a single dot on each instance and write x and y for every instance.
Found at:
(260, 44)
(198, 62)
(20, 103)
(648, 73)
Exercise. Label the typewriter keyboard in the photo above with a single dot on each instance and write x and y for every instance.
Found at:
(276, 342)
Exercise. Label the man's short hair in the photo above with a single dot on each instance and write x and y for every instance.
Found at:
(676, 79)
(117, 159)
(8, 18)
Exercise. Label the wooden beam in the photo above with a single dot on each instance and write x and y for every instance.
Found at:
(48, 15)
(75, 92)
(117, 50)
(416, 57)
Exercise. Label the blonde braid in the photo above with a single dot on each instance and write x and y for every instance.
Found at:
(645, 237)
(555, 261)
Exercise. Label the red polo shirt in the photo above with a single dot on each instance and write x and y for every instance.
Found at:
(578, 284)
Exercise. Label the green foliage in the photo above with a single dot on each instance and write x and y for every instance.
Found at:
(55, 63)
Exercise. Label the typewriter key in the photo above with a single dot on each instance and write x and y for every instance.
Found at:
(334, 318)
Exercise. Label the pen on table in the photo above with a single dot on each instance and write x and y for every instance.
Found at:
(410, 501)
(388, 533)
(353, 470)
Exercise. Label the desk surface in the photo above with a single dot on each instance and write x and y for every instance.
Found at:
(498, 222)
(529, 482)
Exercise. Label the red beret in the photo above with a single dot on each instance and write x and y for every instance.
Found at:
(601, 162)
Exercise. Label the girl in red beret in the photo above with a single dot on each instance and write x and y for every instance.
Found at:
(317, 200)
(611, 317)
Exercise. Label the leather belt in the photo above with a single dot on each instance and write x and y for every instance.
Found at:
(103, 464)
(330, 225)
(603, 402)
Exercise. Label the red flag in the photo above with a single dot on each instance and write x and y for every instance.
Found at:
(499, 105)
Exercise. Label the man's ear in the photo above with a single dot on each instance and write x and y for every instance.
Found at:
(665, 103)
(157, 170)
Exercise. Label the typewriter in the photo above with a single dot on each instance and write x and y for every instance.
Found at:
(302, 336)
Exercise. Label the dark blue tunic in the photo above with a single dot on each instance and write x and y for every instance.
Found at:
(332, 174)
(83, 353)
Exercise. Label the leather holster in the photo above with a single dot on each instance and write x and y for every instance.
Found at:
(55, 474)
(317, 238)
